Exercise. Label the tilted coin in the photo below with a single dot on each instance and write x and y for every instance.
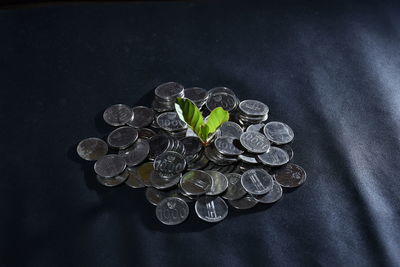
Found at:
(169, 90)
(274, 157)
(288, 150)
(231, 128)
(122, 137)
(290, 175)
(92, 148)
(221, 89)
(243, 203)
(162, 107)
(199, 163)
(192, 145)
(272, 196)
(113, 181)
(278, 132)
(226, 101)
(227, 145)
(195, 182)
(137, 153)
(253, 108)
(170, 121)
(169, 163)
(155, 196)
(144, 171)
(211, 209)
(257, 181)
(172, 211)
(248, 158)
(196, 94)
(142, 117)
(219, 183)
(146, 133)
(255, 127)
(117, 115)
(254, 142)
(110, 166)
(235, 189)
(160, 182)
(134, 180)
(158, 144)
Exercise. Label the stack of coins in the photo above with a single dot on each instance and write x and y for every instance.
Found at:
(165, 96)
(252, 112)
(246, 163)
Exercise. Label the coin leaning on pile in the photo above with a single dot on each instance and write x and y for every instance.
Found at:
(248, 161)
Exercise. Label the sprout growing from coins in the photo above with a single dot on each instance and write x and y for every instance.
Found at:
(205, 129)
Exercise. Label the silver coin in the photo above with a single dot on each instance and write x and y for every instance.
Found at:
(159, 144)
(272, 196)
(219, 183)
(117, 115)
(170, 121)
(288, 150)
(162, 107)
(235, 189)
(190, 132)
(255, 127)
(248, 158)
(243, 203)
(231, 128)
(290, 175)
(211, 209)
(160, 182)
(136, 154)
(177, 193)
(113, 181)
(226, 101)
(155, 196)
(278, 132)
(145, 133)
(196, 182)
(221, 89)
(196, 94)
(110, 166)
(169, 90)
(253, 108)
(142, 117)
(145, 171)
(254, 142)
(134, 180)
(172, 211)
(92, 148)
(199, 163)
(122, 137)
(274, 157)
(192, 145)
(227, 145)
(169, 163)
(257, 181)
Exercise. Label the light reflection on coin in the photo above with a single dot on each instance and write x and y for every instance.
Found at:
(278, 132)
(113, 181)
(235, 189)
(170, 121)
(169, 90)
(219, 183)
(272, 196)
(92, 148)
(142, 117)
(211, 209)
(254, 142)
(155, 196)
(274, 157)
(227, 145)
(253, 108)
(172, 211)
(255, 127)
(117, 115)
(136, 154)
(160, 182)
(109, 166)
(256, 181)
(226, 101)
(244, 203)
(122, 137)
(231, 128)
(196, 182)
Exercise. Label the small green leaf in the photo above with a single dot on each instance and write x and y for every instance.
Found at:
(190, 113)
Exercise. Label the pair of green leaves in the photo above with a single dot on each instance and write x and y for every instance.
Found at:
(204, 128)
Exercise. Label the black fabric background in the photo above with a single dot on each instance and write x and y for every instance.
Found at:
(331, 71)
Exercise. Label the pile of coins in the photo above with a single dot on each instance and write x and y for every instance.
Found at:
(247, 162)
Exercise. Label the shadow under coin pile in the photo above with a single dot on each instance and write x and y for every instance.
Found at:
(248, 161)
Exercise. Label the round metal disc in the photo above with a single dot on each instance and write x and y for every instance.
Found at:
(196, 182)
(171, 122)
(224, 100)
(169, 164)
(244, 203)
(290, 175)
(272, 196)
(142, 117)
(110, 166)
(254, 142)
(159, 144)
(146, 133)
(117, 115)
(137, 153)
(122, 137)
(113, 181)
(211, 209)
(92, 148)
(278, 132)
(155, 196)
(192, 145)
(196, 94)
(227, 145)
(253, 108)
(172, 211)
(219, 183)
(257, 181)
(160, 182)
(231, 128)
(274, 157)
(169, 91)
(235, 189)
(134, 180)
(255, 127)
(144, 171)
